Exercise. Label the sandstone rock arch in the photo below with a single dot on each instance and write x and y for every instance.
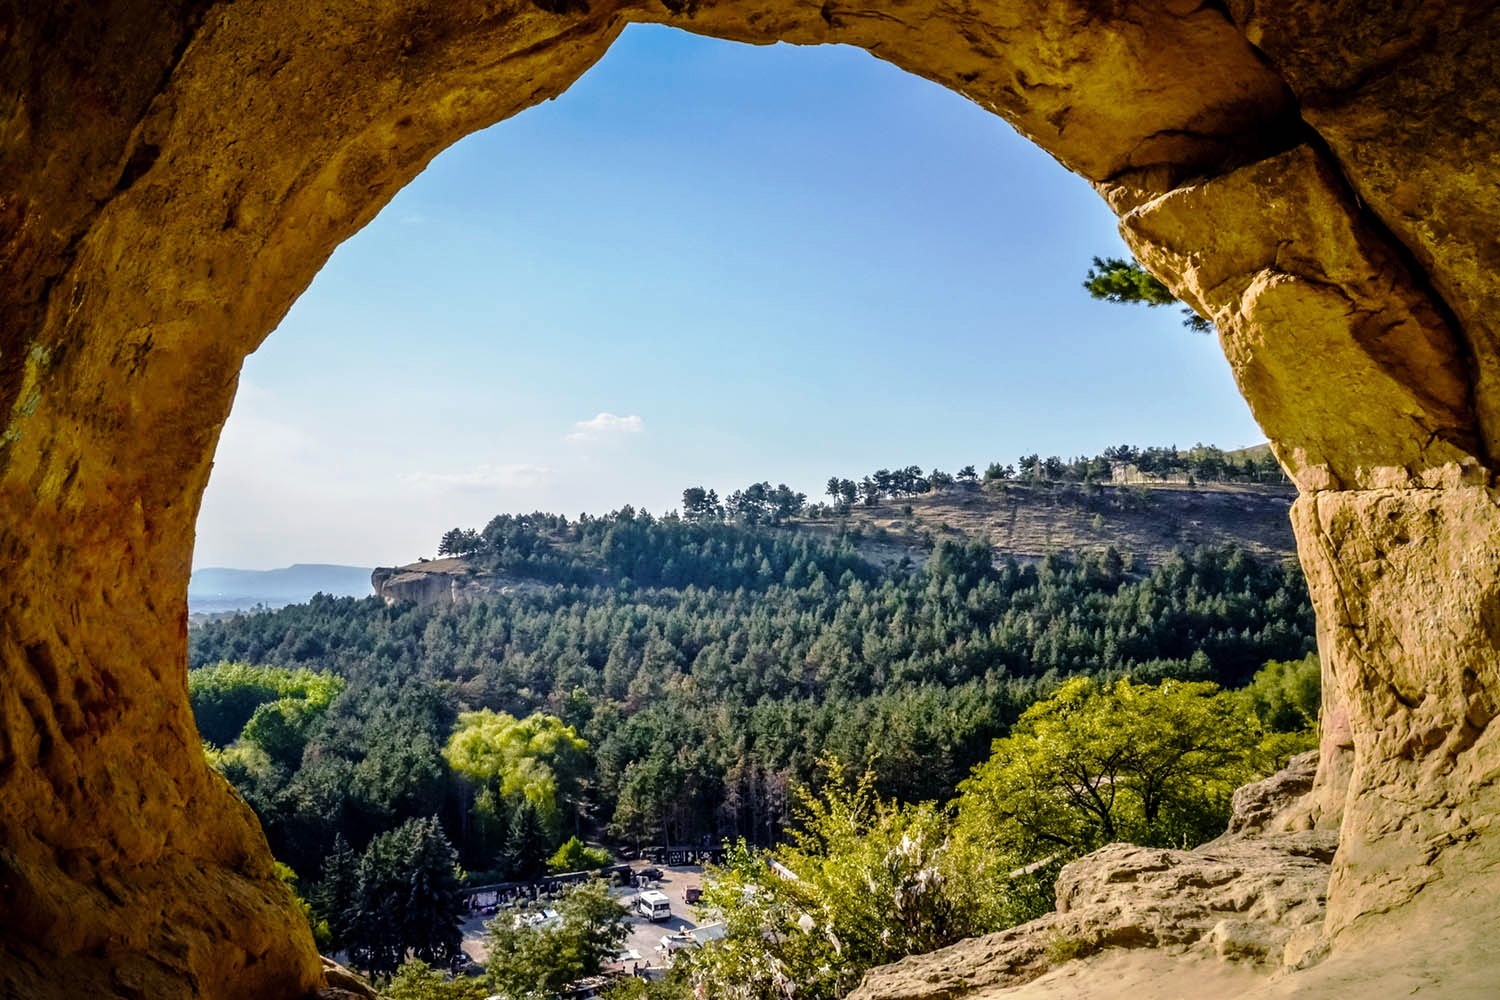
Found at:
(1318, 177)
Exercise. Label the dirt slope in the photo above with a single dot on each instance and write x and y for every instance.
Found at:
(1030, 521)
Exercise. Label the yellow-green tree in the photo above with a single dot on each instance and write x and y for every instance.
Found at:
(416, 980)
(576, 856)
(539, 759)
(270, 706)
(1286, 694)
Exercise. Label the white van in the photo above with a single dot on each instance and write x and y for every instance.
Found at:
(654, 905)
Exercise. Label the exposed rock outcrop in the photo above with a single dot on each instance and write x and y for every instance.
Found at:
(435, 582)
(1253, 901)
(1281, 803)
(1406, 585)
(1318, 176)
(343, 984)
(443, 581)
(1254, 898)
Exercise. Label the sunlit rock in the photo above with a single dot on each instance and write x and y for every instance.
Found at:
(1318, 177)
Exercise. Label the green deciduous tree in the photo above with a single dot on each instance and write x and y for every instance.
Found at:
(1285, 695)
(674, 986)
(889, 879)
(864, 881)
(771, 950)
(540, 759)
(536, 960)
(575, 856)
(226, 697)
(416, 980)
(1098, 763)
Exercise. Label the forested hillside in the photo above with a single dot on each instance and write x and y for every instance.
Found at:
(1147, 504)
(705, 666)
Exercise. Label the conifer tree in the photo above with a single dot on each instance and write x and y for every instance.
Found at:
(407, 899)
(374, 934)
(333, 898)
(433, 893)
(526, 852)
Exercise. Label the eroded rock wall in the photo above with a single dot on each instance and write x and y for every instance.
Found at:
(1344, 276)
(1317, 177)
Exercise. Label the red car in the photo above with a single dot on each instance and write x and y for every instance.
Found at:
(691, 894)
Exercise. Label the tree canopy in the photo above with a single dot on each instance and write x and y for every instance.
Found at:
(701, 707)
(416, 980)
(406, 900)
(864, 880)
(259, 702)
(1115, 279)
(1096, 763)
(533, 958)
(539, 759)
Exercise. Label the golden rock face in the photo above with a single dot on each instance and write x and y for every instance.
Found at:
(1318, 177)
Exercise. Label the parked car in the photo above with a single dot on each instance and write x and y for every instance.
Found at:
(692, 893)
(654, 874)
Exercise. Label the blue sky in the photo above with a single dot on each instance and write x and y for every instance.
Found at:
(706, 263)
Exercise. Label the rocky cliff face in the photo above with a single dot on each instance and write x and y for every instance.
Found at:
(442, 581)
(1253, 904)
(1317, 176)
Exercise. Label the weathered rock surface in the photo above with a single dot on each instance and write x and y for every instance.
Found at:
(1278, 804)
(439, 582)
(1242, 900)
(1318, 176)
(1406, 585)
(442, 581)
(343, 984)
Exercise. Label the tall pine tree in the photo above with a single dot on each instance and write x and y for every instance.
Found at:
(334, 897)
(407, 899)
(527, 849)
(430, 921)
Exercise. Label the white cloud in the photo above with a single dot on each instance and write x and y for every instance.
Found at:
(605, 425)
(484, 477)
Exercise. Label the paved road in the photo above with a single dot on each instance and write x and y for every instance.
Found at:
(644, 935)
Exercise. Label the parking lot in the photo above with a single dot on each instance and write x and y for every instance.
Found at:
(645, 935)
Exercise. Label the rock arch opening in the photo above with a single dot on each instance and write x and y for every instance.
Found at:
(1317, 179)
(800, 252)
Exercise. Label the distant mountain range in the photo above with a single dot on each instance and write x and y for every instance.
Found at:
(215, 589)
